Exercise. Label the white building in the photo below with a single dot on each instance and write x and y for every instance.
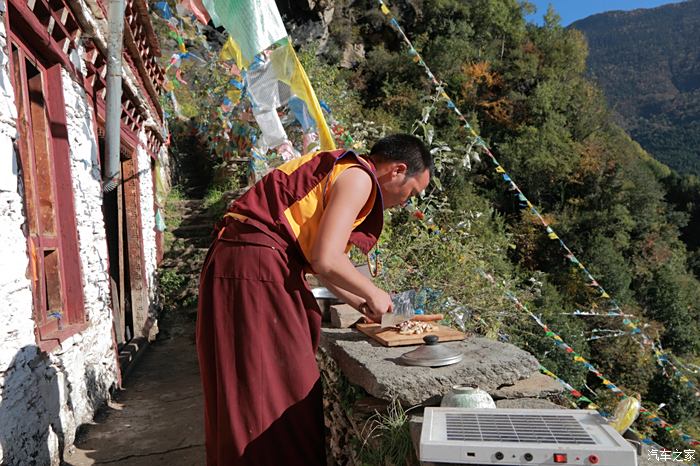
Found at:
(76, 266)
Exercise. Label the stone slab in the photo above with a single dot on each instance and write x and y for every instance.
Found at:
(527, 403)
(536, 386)
(344, 316)
(487, 364)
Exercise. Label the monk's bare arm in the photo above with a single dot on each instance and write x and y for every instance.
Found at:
(349, 194)
(344, 295)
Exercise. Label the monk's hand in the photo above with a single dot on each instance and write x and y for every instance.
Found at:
(377, 303)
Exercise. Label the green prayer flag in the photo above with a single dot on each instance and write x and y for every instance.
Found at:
(254, 24)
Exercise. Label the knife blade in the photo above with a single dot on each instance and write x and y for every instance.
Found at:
(402, 309)
(392, 319)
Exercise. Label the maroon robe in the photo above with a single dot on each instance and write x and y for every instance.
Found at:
(258, 328)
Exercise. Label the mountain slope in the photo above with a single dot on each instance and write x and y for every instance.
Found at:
(648, 63)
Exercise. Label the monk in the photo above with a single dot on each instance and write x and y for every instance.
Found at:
(258, 324)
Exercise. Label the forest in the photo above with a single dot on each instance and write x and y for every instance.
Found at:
(649, 69)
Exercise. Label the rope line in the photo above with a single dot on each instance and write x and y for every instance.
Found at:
(524, 201)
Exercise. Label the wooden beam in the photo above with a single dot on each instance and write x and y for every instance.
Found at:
(35, 36)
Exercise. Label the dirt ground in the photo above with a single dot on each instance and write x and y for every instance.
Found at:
(157, 418)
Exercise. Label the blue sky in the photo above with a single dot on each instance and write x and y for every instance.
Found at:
(572, 10)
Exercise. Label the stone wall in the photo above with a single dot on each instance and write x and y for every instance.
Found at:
(148, 222)
(45, 397)
(17, 332)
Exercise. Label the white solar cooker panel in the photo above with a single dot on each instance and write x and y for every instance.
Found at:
(522, 437)
(562, 429)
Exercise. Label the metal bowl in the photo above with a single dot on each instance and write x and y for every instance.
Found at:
(325, 299)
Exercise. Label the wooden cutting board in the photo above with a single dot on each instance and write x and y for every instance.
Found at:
(391, 337)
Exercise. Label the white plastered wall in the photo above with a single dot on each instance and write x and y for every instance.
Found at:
(148, 214)
(44, 397)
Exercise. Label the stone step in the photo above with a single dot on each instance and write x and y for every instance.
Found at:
(188, 203)
(190, 209)
(180, 247)
(196, 230)
(183, 243)
(200, 217)
(183, 267)
(187, 272)
(191, 255)
(187, 293)
(185, 250)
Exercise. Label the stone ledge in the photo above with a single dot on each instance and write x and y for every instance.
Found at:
(536, 386)
(528, 403)
(487, 364)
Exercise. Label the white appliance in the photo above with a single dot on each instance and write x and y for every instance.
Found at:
(510, 437)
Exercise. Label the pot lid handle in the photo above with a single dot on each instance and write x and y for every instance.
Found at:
(431, 339)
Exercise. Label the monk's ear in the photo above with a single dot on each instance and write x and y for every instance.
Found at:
(399, 168)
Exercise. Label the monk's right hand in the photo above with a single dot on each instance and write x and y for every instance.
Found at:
(378, 303)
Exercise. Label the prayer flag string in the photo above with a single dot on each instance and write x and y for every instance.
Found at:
(652, 418)
(614, 308)
(578, 396)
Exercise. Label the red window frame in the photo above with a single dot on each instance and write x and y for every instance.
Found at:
(61, 245)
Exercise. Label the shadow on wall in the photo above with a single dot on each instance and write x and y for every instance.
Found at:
(30, 425)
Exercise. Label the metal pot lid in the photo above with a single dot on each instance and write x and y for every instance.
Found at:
(431, 354)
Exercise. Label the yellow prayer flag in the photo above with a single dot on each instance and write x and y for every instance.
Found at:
(288, 69)
(234, 95)
(500, 169)
(553, 235)
(625, 414)
(385, 10)
(161, 189)
(231, 51)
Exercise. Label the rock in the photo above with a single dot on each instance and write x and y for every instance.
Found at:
(487, 364)
(353, 54)
(308, 32)
(344, 316)
(527, 403)
(537, 386)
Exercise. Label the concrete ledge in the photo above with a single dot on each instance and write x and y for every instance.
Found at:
(536, 386)
(487, 364)
(528, 403)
